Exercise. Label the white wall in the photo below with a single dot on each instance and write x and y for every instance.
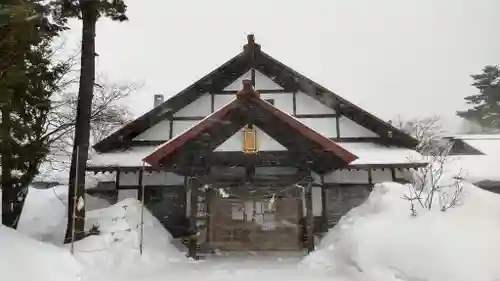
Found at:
(200, 107)
(238, 83)
(326, 126)
(262, 82)
(221, 100)
(182, 125)
(282, 101)
(350, 129)
(264, 142)
(160, 131)
(304, 104)
(151, 178)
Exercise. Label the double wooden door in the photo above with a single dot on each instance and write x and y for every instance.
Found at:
(255, 224)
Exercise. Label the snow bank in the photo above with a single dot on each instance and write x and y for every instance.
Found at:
(22, 258)
(118, 245)
(379, 240)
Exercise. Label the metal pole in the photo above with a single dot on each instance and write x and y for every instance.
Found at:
(141, 246)
(75, 202)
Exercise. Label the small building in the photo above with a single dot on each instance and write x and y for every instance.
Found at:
(475, 158)
(254, 156)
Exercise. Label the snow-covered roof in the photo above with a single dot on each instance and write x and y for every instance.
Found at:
(373, 154)
(131, 157)
(477, 168)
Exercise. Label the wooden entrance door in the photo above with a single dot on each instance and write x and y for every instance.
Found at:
(249, 224)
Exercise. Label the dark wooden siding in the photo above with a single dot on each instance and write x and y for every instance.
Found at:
(341, 199)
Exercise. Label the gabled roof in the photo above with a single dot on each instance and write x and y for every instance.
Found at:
(253, 57)
(248, 107)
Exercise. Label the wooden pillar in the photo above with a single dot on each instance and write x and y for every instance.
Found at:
(309, 217)
(393, 174)
(193, 213)
(117, 184)
(140, 190)
(324, 210)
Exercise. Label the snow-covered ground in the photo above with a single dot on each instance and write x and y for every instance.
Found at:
(379, 240)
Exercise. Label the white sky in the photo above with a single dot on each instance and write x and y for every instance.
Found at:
(392, 57)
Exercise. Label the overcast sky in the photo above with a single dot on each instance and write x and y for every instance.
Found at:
(392, 57)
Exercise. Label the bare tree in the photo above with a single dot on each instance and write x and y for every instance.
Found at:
(432, 183)
(427, 131)
(108, 113)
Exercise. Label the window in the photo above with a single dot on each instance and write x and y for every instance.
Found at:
(271, 101)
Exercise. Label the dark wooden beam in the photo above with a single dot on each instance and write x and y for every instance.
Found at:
(212, 102)
(117, 181)
(261, 91)
(324, 115)
(193, 212)
(294, 100)
(309, 218)
(187, 118)
(171, 130)
(252, 73)
(387, 166)
(324, 210)
(337, 120)
(140, 191)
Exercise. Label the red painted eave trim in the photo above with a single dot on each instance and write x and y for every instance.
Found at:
(170, 146)
(324, 142)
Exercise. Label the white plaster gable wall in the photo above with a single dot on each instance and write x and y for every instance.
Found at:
(238, 83)
(282, 101)
(200, 107)
(264, 142)
(308, 105)
(325, 126)
(350, 129)
(180, 126)
(262, 82)
(221, 100)
(160, 131)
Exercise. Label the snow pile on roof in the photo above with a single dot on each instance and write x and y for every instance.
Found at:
(477, 168)
(22, 258)
(132, 157)
(379, 240)
(372, 153)
(119, 241)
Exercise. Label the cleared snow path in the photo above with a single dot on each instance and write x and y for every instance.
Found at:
(234, 267)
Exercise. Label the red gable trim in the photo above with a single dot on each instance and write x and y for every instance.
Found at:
(326, 143)
(248, 93)
(170, 146)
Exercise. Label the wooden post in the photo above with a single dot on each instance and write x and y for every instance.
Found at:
(324, 210)
(193, 212)
(140, 190)
(117, 184)
(309, 218)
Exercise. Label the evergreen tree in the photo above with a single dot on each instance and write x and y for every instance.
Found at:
(88, 11)
(485, 109)
(28, 77)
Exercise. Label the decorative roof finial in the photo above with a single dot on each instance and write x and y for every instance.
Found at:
(247, 85)
(251, 39)
(248, 90)
(251, 46)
